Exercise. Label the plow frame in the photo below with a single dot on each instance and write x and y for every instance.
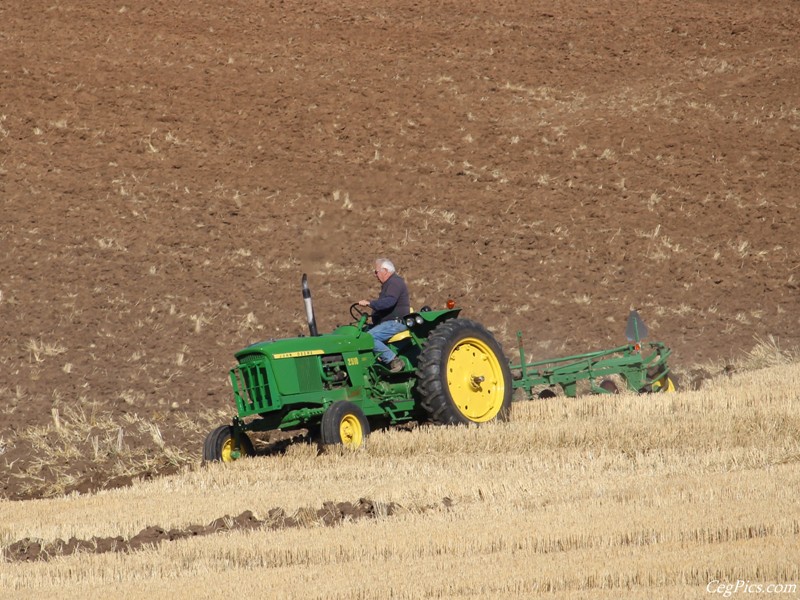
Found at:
(643, 367)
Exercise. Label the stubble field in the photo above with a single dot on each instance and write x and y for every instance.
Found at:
(652, 496)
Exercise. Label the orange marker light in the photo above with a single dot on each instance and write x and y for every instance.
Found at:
(451, 303)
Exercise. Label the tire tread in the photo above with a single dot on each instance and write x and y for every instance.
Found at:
(433, 395)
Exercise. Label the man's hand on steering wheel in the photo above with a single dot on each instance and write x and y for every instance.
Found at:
(357, 310)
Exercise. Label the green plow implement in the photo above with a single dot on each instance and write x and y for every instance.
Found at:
(642, 367)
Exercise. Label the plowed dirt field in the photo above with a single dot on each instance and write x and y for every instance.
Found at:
(168, 170)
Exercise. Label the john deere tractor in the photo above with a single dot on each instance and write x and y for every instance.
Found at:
(333, 385)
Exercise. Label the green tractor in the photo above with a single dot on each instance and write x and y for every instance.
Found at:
(333, 386)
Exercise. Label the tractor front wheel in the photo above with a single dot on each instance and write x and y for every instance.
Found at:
(220, 445)
(463, 375)
(344, 423)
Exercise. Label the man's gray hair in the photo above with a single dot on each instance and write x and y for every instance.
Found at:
(385, 263)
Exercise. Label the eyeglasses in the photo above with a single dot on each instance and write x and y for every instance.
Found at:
(376, 271)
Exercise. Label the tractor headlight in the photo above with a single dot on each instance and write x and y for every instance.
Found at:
(409, 321)
(419, 320)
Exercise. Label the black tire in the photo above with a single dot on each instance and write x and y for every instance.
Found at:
(219, 445)
(344, 423)
(463, 375)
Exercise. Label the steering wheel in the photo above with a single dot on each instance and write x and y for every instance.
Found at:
(359, 312)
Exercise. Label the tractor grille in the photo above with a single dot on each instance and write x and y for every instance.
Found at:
(251, 386)
(308, 379)
(251, 358)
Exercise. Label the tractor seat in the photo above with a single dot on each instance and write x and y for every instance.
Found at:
(399, 337)
(403, 335)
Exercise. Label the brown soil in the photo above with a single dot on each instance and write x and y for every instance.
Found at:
(169, 170)
(331, 513)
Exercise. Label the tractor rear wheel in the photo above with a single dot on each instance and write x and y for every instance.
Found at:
(220, 445)
(463, 375)
(344, 423)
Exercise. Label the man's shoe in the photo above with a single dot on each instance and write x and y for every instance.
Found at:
(396, 365)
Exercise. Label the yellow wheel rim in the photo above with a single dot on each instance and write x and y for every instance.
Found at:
(230, 452)
(350, 431)
(664, 382)
(475, 380)
(227, 450)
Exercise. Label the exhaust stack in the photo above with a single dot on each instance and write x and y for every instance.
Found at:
(312, 322)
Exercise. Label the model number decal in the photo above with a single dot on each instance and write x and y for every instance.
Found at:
(352, 361)
(296, 354)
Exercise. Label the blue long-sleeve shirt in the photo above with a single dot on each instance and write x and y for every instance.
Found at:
(392, 302)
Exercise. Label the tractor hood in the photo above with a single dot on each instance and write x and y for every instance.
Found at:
(344, 339)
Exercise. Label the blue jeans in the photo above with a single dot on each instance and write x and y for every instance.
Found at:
(380, 334)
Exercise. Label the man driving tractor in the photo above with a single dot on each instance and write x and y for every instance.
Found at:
(388, 309)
